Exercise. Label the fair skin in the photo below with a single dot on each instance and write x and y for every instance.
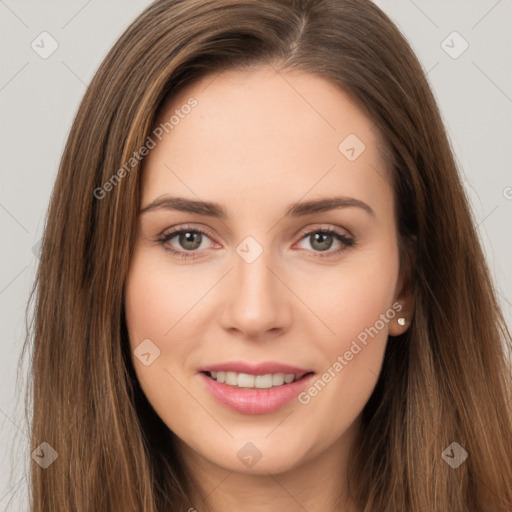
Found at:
(257, 143)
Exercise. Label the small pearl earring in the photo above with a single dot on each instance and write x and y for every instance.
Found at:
(401, 321)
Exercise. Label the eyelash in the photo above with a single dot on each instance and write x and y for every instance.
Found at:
(344, 239)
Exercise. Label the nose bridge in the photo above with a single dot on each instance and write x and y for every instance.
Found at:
(255, 282)
(256, 297)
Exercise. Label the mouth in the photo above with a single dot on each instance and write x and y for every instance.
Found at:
(250, 381)
(259, 389)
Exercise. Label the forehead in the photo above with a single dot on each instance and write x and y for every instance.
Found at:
(283, 130)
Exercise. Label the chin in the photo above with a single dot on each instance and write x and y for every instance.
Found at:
(257, 458)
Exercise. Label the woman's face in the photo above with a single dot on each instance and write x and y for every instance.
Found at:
(286, 268)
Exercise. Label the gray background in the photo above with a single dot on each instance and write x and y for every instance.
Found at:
(39, 98)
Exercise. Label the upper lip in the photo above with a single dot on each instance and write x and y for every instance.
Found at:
(254, 369)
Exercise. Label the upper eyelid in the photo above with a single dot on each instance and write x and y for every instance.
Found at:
(318, 227)
(174, 231)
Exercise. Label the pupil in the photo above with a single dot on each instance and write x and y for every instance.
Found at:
(323, 241)
(187, 240)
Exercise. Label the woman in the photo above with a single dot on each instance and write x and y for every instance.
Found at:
(260, 285)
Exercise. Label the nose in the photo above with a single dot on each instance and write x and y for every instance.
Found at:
(256, 298)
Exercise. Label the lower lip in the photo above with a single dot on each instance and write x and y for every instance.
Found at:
(255, 401)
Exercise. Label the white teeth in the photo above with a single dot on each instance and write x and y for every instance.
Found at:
(231, 378)
(245, 380)
(278, 379)
(265, 381)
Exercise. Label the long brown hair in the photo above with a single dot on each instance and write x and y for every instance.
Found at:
(447, 379)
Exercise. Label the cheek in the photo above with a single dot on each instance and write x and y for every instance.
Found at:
(358, 310)
(157, 297)
(156, 305)
(162, 303)
(153, 307)
(352, 297)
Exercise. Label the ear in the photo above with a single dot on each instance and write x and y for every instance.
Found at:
(404, 300)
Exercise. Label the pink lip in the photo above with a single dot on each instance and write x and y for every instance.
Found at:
(250, 400)
(253, 369)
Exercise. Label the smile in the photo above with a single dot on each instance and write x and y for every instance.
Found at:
(246, 380)
(263, 391)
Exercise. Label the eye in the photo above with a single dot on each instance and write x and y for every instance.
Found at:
(189, 240)
(321, 240)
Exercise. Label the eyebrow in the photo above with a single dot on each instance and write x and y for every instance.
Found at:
(216, 210)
